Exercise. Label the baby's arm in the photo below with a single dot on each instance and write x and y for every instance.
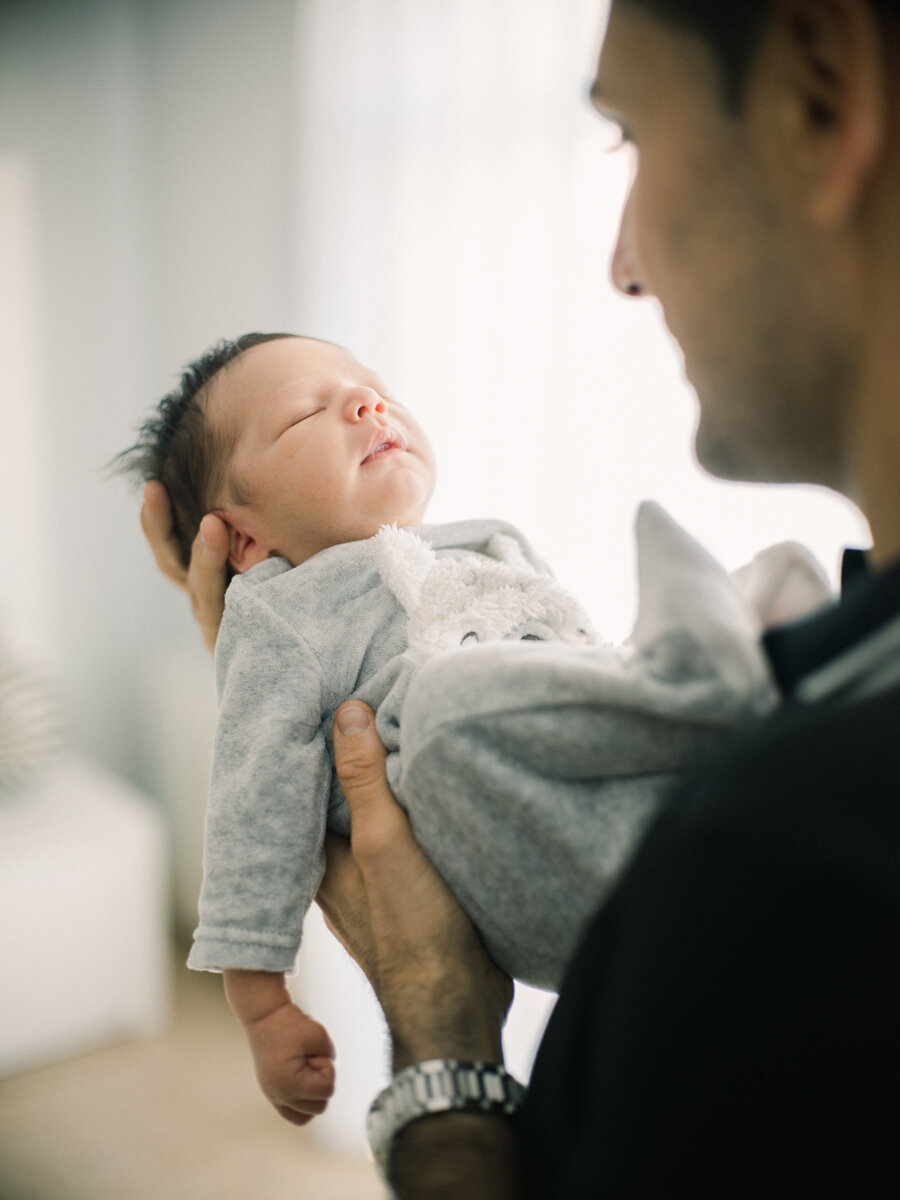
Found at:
(293, 1054)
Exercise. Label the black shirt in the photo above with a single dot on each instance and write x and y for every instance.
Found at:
(731, 1023)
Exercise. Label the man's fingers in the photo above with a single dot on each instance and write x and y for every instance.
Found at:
(381, 836)
(342, 887)
(156, 522)
(360, 761)
(344, 902)
(206, 577)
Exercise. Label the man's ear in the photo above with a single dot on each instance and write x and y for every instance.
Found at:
(245, 550)
(830, 102)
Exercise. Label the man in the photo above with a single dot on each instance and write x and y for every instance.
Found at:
(731, 1023)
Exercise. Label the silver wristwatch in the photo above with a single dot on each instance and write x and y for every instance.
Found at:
(439, 1085)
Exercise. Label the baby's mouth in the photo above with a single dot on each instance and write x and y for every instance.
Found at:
(383, 442)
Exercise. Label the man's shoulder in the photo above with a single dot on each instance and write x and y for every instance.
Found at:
(789, 838)
(808, 800)
(800, 757)
(743, 978)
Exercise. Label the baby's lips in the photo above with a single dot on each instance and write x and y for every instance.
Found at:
(384, 437)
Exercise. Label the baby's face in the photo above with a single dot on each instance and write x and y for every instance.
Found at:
(323, 453)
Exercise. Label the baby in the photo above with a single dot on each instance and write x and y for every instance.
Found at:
(529, 757)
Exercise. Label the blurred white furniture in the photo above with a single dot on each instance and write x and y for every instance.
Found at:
(84, 924)
(178, 722)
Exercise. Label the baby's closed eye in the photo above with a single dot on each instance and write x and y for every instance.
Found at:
(300, 417)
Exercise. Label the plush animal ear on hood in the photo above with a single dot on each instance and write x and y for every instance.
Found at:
(404, 562)
(683, 588)
(506, 549)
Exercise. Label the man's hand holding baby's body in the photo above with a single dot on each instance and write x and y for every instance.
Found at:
(293, 1055)
(382, 898)
(205, 578)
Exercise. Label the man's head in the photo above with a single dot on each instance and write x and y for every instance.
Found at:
(762, 215)
(289, 440)
(730, 28)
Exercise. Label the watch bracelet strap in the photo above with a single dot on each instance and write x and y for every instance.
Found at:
(438, 1085)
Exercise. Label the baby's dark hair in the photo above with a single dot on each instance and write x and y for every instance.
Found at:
(179, 447)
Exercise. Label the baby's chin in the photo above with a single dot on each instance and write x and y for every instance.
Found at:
(406, 517)
(361, 531)
(402, 519)
(406, 508)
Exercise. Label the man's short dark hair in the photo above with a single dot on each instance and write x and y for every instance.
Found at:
(180, 447)
(732, 29)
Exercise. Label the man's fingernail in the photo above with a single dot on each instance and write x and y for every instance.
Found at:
(352, 720)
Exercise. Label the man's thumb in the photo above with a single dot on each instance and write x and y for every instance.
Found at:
(359, 755)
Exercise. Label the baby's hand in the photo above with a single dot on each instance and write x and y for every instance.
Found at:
(294, 1059)
(294, 1056)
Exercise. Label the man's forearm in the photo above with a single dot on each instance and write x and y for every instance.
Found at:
(454, 1155)
(443, 997)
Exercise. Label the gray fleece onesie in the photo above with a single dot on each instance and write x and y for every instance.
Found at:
(529, 757)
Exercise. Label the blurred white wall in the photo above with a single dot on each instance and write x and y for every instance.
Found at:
(455, 225)
(27, 610)
(421, 179)
(150, 144)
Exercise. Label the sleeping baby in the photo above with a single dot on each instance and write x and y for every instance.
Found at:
(529, 756)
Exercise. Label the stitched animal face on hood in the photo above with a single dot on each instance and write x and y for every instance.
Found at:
(462, 599)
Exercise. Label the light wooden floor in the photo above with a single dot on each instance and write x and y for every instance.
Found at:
(178, 1116)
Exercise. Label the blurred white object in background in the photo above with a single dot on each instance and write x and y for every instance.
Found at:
(26, 585)
(178, 722)
(32, 721)
(84, 936)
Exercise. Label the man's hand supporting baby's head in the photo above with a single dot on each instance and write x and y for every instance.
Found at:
(206, 577)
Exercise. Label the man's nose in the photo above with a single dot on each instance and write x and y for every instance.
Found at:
(624, 269)
(361, 402)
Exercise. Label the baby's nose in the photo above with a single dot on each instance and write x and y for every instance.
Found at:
(362, 401)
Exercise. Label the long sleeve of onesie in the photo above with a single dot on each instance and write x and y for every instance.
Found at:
(268, 800)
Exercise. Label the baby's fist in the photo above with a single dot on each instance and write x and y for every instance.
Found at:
(294, 1059)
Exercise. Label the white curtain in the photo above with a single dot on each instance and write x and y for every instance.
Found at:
(27, 616)
(455, 215)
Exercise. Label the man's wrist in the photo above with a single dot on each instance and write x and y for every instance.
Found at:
(434, 1087)
(471, 1155)
(446, 1020)
(411, 1050)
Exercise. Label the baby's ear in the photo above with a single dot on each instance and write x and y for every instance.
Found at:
(244, 551)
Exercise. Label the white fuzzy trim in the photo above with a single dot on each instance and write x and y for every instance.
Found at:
(452, 597)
